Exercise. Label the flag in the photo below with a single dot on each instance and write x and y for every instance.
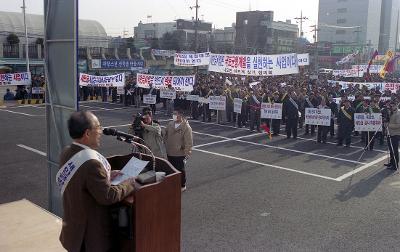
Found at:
(389, 68)
(368, 77)
(388, 56)
(266, 129)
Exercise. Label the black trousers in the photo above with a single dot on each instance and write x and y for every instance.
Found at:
(393, 145)
(344, 135)
(178, 163)
(276, 126)
(332, 128)
(206, 113)
(255, 119)
(312, 129)
(291, 127)
(322, 133)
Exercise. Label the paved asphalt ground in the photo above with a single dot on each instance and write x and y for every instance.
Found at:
(245, 192)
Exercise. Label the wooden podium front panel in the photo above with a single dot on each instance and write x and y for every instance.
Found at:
(157, 214)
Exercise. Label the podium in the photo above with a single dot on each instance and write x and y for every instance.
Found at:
(155, 209)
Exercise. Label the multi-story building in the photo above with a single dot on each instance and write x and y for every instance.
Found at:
(144, 33)
(256, 32)
(356, 24)
(224, 39)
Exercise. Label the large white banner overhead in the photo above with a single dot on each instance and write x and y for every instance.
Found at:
(192, 59)
(117, 80)
(303, 59)
(254, 65)
(9, 79)
(179, 83)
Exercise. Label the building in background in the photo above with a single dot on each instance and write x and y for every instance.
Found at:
(224, 39)
(257, 32)
(362, 25)
(144, 33)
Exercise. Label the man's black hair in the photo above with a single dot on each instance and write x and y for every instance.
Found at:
(79, 122)
(180, 111)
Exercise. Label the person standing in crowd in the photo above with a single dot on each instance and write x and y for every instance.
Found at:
(345, 123)
(310, 102)
(9, 95)
(322, 131)
(179, 142)
(152, 135)
(206, 93)
(371, 135)
(394, 137)
(194, 105)
(276, 123)
(291, 114)
(152, 91)
(84, 178)
(334, 109)
(254, 105)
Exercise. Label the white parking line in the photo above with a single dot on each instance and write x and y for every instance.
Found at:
(265, 164)
(359, 169)
(32, 149)
(19, 113)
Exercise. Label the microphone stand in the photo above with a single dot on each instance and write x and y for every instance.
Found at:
(136, 145)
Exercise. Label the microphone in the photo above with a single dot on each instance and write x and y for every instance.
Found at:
(114, 132)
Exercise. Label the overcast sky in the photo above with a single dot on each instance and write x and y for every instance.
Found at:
(119, 15)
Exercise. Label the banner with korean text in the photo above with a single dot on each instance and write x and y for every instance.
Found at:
(16, 79)
(167, 93)
(271, 110)
(348, 73)
(254, 65)
(179, 83)
(382, 86)
(192, 97)
(165, 53)
(368, 122)
(237, 105)
(314, 116)
(303, 59)
(149, 99)
(217, 102)
(192, 59)
(117, 80)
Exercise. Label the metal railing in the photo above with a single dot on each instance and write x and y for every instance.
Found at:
(11, 51)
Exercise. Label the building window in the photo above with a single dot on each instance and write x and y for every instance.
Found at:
(341, 21)
(342, 10)
(340, 31)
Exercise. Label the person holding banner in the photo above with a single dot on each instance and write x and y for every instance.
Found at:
(276, 123)
(345, 123)
(334, 109)
(85, 182)
(310, 102)
(152, 91)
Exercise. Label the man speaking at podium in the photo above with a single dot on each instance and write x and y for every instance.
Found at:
(84, 179)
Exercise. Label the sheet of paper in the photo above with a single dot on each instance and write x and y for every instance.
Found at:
(131, 169)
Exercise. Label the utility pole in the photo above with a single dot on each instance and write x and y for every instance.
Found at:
(316, 48)
(26, 37)
(397, 32)
(301, 19)
(196, 24)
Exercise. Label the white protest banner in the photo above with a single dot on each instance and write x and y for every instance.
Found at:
(15, 79)
(254, 65)
(37, 90)
(303, 59)
(237, 105)
(168, 93)
(117, 80)
(179, 83)
(192, 59)
(271, 110)
(393, 87)
(149, 99)
(120, 90)
(337, 100)
(372, 69)
(192, 97)
(368, 122)
(217, 102)
(204, 100)
(165, 53)
(315, 116)
(382, 86)
(348, 73)
(385, 99)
